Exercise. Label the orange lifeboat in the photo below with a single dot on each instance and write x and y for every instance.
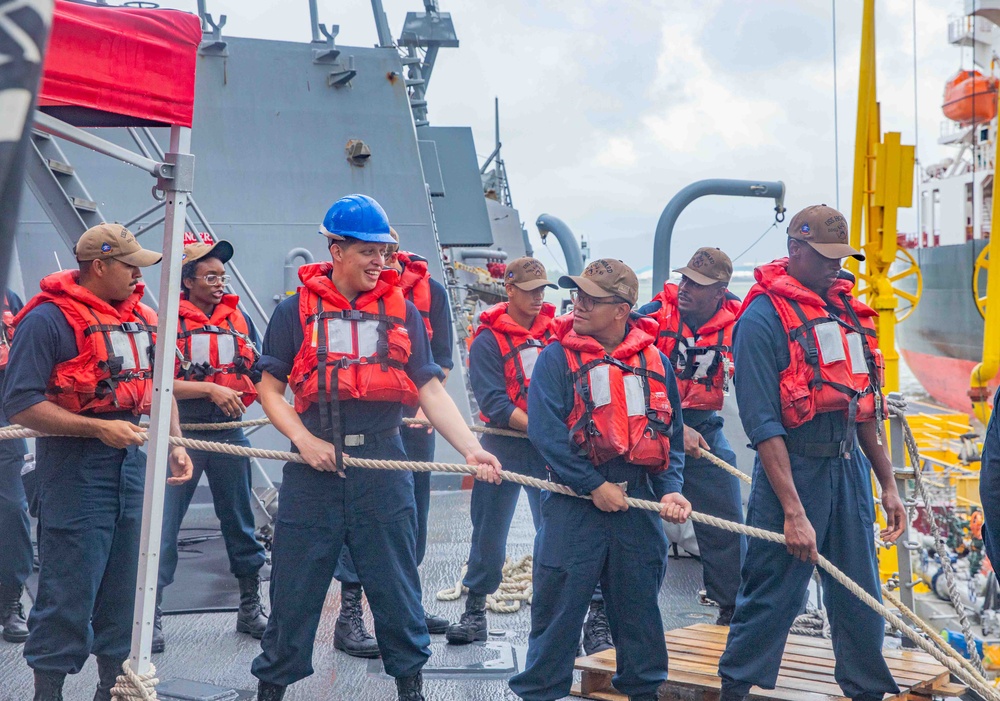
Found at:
(970, 97)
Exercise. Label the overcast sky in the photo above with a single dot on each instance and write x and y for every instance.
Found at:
(608, 108)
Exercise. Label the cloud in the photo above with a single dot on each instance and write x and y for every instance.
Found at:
(609, 107)
(618, 153)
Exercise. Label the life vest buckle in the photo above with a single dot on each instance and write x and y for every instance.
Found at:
(131, 327)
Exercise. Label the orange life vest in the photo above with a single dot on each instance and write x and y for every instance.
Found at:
(702, 359)
(113, 370)
(350, 351)
(519, 347)
(836, 364)
(6, 332)
(620, 401)
(216, 349)
(415, 282)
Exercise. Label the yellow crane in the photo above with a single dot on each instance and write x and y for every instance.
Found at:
(883, 183)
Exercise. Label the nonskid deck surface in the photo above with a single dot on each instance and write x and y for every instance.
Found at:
(206, 647)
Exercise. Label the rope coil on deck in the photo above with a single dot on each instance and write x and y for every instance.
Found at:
(515, 587)
(970, 677)
(138, 687)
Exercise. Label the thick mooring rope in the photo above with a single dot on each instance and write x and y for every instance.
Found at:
(974, 681)
(137, 687)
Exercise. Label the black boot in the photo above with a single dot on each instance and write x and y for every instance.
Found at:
(159, 642)
(266, 691)
(251, 618)
(732, 696)
(472, 626)
(410, 688)
(48, 686)
(15, 627)
(350, 634)
(596, 631)
(436, 624)
(725, 615)
(108, 669)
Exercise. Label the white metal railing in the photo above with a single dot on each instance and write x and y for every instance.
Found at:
(966, 29)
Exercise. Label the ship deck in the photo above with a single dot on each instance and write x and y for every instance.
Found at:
(205, 646)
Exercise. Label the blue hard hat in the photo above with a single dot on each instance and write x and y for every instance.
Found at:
(357, 216)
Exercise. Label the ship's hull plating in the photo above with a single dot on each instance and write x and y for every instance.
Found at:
(943, 339)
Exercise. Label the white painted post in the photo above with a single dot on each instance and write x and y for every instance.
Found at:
(176, 190)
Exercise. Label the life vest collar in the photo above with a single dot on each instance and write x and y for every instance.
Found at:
(724, 316)
(640, 332)
(774, 278)
(497, 318)
(316, 278)
(67, 282)
(226, 306)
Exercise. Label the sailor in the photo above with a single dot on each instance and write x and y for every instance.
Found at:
(507, 342)
(17, 558)
(216, 373)
(431, 300)
(696, 321)
(810, 398)
(82, 365)
(354, 352)
(604, 412)
(989, 485)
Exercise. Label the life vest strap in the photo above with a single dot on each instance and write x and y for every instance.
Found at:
(515, 354)
(354, 315)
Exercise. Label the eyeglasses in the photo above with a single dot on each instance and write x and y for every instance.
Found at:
(586, 303)
(215, 279)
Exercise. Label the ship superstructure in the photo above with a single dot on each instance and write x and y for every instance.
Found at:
(942, 340)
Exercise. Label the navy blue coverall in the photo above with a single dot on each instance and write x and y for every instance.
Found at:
(716, 492)
(837, 497)
(418, 442)
(229, 481)
(493, 504)
(90, 512)
(989, 484)
(17, 557)
(579, 545)
(371, 511)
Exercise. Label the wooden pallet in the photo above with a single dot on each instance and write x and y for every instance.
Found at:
(806, 671)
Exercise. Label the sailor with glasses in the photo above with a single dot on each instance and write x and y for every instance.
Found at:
(605, 414)
(216, 371)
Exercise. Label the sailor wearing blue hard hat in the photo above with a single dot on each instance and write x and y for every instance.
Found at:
(358, 217)
(354, 351)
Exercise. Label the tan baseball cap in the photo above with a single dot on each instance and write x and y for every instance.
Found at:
(708, 266)
(114, 241)
(223, 250)
(527, 274)
(606, 277)
(825, 229)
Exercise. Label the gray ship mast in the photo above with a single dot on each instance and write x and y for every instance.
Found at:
(495, 184)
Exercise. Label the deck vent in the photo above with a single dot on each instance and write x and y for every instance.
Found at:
(358, 152)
